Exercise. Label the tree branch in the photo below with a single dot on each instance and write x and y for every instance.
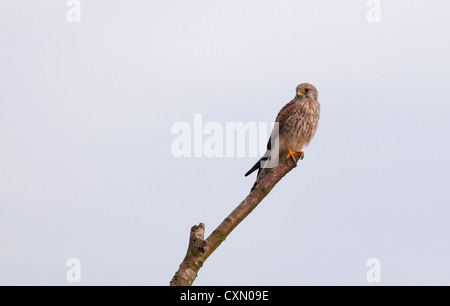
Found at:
(200, 249)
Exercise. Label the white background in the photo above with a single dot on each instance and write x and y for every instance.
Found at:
(86, 169)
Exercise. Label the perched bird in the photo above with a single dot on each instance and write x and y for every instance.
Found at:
(297, 124)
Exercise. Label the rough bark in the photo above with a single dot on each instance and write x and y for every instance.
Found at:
(200, 249)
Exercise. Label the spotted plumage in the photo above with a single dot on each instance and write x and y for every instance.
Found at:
(297, 124)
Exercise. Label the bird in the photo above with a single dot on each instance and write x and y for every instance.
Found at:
(295, 126)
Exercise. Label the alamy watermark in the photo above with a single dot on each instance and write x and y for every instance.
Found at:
(374, 12)
(74, 12)
(229, 139)
(374, 273)
(73, 275)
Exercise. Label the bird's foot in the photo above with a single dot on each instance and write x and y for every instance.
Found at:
(291, 154)
(301, 154)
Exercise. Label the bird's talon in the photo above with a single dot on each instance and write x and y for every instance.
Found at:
(301, 154)
(291, 154)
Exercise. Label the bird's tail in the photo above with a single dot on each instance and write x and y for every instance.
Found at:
(257, 166)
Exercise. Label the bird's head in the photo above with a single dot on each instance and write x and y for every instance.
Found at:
(306, 90)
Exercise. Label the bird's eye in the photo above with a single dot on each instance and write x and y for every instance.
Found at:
(306, 90)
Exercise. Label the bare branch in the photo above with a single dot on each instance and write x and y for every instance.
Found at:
(199, 249)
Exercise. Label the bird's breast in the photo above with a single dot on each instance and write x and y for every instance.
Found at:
(300, 128)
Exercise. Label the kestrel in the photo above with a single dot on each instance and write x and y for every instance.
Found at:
(297, 124)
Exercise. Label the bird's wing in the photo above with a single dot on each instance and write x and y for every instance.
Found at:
(281, 118)
(285, 113)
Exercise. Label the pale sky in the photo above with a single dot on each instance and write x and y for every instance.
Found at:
(87, 172)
